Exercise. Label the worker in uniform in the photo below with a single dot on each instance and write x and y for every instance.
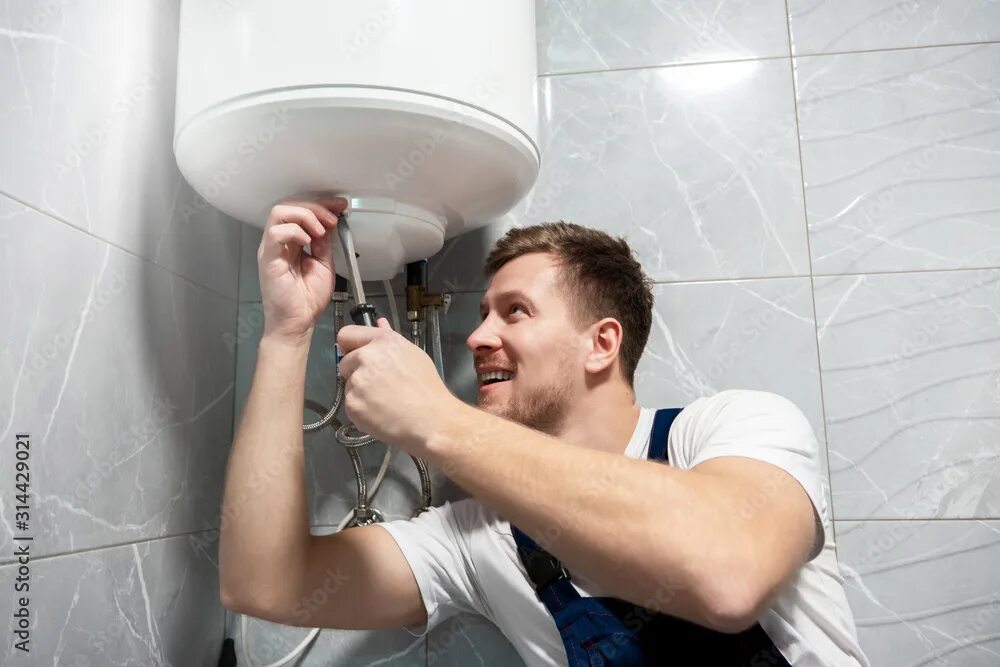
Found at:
(597, 531)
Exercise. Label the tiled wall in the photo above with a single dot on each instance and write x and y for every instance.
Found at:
(815, 188)
(119, 291)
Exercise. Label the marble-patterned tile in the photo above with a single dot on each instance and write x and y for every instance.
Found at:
(696, 166)
(267, 642)
(249, 275)
(825, 26)
(901, 156)
(145, 603)
(120, 373)
(911, 379)
(924, 592)
(330, 473)
(575, 35)
(470, 639)
(87, 133)
(755, 334)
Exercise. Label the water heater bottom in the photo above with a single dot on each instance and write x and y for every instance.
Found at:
(386, 234)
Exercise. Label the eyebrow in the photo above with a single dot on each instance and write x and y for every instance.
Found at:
(509, 295)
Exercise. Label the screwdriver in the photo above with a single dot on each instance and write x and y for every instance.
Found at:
(363, 313)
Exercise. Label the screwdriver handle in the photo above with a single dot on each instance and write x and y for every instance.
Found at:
(365, 314)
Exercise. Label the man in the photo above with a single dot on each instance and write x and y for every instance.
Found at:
(726, 551)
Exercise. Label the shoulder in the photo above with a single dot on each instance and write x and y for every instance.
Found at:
(740, 405)
(741, 422)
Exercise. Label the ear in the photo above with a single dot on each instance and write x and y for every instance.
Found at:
(606, 341)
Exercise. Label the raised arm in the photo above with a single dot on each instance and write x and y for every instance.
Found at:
(270, 565)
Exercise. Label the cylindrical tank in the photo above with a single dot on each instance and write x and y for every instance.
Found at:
(423, 113)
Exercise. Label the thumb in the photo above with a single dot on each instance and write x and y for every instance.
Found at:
(383, 323)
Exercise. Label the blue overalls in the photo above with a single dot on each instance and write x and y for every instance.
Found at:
(608, 632)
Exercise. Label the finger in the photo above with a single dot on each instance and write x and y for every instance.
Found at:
(299, 215)
(322, 252)
(334, 204)
(327, 217)
(383, 323)
(347, 365)
(352, 336)
(272, 244)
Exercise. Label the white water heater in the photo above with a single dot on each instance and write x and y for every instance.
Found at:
(422, 112)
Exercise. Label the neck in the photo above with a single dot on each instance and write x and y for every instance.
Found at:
(604, 419)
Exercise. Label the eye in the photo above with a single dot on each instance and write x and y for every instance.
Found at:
(518, 306)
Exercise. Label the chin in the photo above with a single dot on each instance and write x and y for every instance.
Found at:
(489, 405)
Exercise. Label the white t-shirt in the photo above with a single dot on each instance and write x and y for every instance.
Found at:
(464, 558)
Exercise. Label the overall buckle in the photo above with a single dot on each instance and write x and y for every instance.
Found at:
(543, 568)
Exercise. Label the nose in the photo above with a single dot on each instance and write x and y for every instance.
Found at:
(483, 339)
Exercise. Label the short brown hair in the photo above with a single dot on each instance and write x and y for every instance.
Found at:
(599, 273)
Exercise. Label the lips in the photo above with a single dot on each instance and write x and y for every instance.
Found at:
(492, 377)
(489, 376)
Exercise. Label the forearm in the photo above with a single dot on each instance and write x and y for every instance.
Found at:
(265, 517)
(643, 532)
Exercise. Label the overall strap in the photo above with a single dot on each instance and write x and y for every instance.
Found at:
(548, 576)
(662, 422)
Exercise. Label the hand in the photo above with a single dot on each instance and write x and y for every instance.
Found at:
(296, 286)
(393, 390)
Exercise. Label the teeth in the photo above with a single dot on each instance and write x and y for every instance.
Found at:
(495, 375)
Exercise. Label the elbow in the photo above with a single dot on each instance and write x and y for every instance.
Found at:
(256, 607)
(230, 601)
(731, 618)
(734, 607)
(237, 601)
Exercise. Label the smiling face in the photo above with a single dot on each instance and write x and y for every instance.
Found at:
(529, 350)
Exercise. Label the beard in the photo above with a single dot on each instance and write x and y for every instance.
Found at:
(541, 408)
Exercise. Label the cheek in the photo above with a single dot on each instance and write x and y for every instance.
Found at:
(545, 352)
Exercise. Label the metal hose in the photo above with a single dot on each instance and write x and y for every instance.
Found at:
(338, 321)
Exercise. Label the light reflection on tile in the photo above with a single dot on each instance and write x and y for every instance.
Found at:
(696, 166)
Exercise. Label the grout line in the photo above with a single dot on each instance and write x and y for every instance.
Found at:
(812, 281)
(890, 49)
(791, 55)
(746, 279)
(87, 232)
(631, 68)
(104, 547)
